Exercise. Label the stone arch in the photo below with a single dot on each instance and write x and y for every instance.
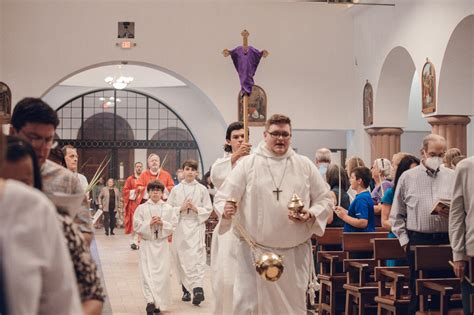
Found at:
(456, 76)
(393, 89)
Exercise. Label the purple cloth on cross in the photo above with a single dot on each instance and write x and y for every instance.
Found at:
(246, 64)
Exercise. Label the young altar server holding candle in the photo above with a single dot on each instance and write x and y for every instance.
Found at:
(154, 221)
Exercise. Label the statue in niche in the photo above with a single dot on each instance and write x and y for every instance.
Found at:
(5, 103)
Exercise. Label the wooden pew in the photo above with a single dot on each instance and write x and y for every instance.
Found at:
(391, 278)
(436, 258)
(360, 287)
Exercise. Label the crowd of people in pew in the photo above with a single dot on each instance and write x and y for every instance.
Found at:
(169, 221)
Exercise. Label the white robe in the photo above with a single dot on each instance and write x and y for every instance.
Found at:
(189, 245)
(35, 264)
(223, 243)
(155, 253)
(266, 220)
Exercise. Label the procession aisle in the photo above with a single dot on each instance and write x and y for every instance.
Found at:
(122, 279)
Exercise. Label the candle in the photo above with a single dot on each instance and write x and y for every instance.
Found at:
(121, 170)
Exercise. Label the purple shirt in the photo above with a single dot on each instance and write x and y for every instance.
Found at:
(246, 64)
(377, 192)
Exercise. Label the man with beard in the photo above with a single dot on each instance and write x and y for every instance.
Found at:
(154, 172)
(130, 203)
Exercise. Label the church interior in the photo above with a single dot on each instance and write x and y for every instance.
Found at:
(133, 79)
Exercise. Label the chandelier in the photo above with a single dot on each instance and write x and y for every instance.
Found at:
(119, 82)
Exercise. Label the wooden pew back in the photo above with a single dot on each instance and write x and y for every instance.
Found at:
(332, 236)
(433, 257)
(387, 248)
(355, 242)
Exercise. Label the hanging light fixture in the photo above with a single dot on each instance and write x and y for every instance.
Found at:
(119, 82)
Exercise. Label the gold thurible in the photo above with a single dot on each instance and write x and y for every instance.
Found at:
(268, 265)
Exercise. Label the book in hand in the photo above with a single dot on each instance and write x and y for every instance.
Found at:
(442, 204)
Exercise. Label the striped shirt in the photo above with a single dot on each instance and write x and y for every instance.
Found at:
(414, 198)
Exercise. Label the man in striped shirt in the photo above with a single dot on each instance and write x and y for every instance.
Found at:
(418, 190)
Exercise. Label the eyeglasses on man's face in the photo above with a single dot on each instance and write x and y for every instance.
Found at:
(38, 141)
(280, 134)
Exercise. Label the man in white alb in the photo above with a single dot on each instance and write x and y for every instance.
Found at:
(262, 184)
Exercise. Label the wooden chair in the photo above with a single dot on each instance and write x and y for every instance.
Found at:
(429, 258)
(393, 279)
(330, 274)
(360, 287)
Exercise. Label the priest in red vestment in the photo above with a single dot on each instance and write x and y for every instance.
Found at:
(153, 172)
(130, 203)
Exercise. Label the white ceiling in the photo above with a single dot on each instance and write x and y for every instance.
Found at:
(142, 77)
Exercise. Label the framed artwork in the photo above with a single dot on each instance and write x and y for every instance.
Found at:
(257, 107)
(5, 103)
(368, 102)
(428, 88)
(126, 30)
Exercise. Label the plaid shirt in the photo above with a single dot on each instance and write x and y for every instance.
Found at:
(57, 179)
(414, 198)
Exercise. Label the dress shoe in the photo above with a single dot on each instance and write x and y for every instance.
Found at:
(150, 308)
(112, 233)
(198, 296)
(107, 233)
(134, 246)
(186, 297)
(157, 311)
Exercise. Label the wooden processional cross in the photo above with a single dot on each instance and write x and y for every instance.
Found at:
(246, 59)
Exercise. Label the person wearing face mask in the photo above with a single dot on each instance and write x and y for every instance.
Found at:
(417, 191)
(322, 160)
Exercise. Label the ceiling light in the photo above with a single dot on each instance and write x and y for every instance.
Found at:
(120, 81)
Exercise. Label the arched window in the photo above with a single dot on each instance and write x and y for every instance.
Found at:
(126, 125)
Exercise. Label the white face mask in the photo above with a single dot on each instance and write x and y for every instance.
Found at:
(434, 162)
(323, 168)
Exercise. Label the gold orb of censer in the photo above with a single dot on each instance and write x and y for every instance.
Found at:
(269, 266)
(295, 206)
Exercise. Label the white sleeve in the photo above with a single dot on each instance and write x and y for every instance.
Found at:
(398, 213)
(220, 170)
(233, 187)
(140, 225)
(205, 208)
(457, 214)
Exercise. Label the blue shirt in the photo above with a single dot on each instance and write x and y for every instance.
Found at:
(362, 208)
(387, 199)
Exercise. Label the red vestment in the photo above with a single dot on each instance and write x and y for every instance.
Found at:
(129, 205)
(147, 177)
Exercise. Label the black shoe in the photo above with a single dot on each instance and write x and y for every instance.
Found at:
(107, 233)
(150, 308)
(112, 233)
(198, 296)
(134, 246)
(186, 297)
(157, 311)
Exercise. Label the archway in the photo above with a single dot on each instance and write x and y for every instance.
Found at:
(455, 93)
(393, 90)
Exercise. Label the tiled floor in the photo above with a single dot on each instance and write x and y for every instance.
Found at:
(122, 280)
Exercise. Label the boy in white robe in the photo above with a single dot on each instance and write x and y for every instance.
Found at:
(154, 221)
(192, 204)
(223, 239)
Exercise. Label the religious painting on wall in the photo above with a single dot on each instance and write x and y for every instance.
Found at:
(257, 110)
(368, 102)
(428, 88)
(5, 103)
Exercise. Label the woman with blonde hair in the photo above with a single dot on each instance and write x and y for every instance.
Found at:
(450, 156)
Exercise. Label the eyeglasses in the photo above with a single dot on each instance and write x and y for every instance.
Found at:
(277, 134)
(37, 141)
